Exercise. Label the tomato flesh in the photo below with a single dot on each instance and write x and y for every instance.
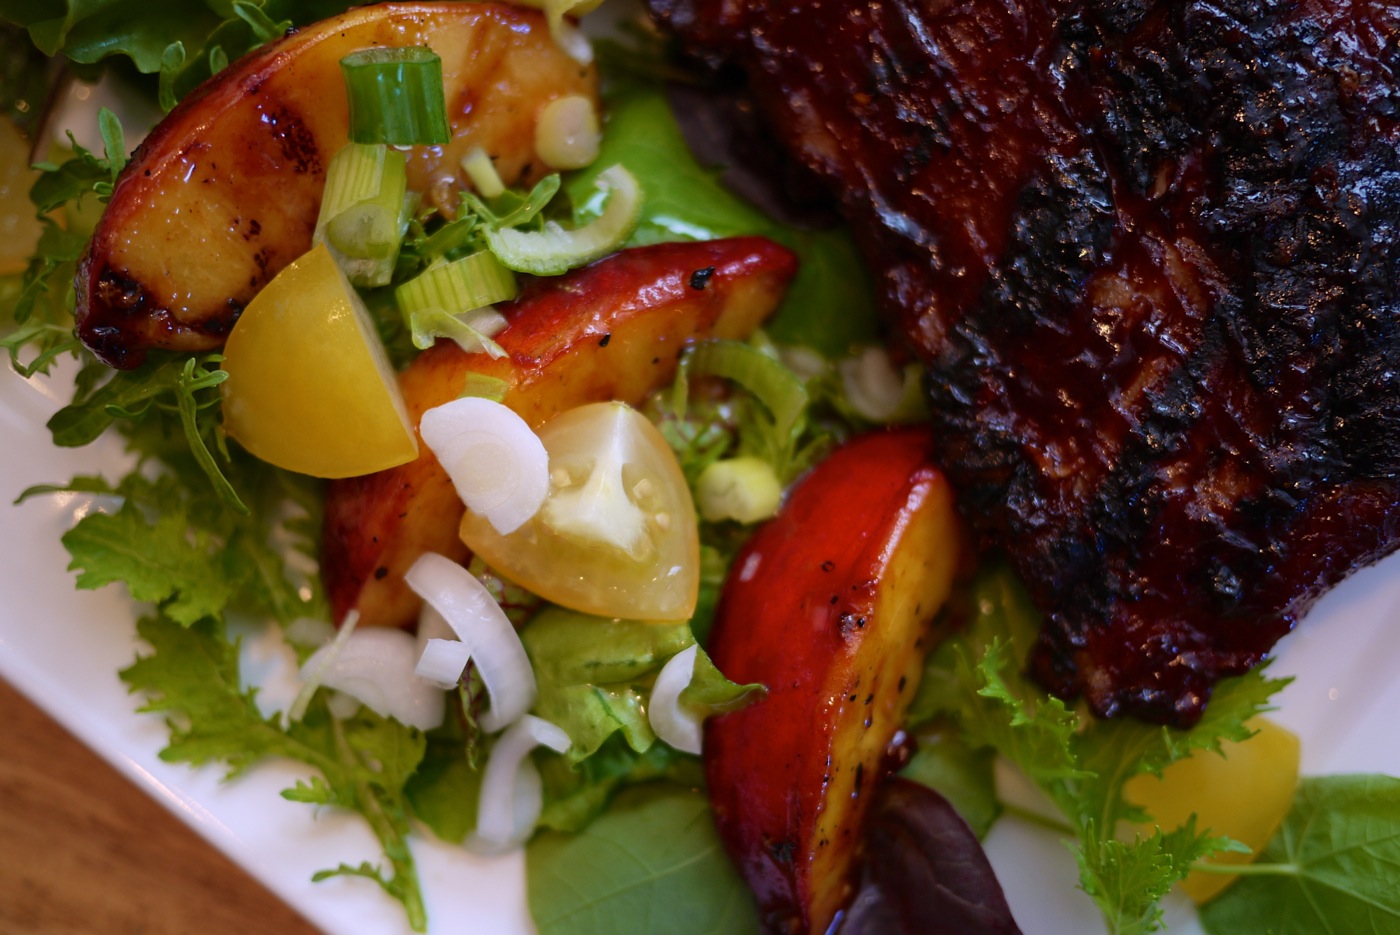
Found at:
(617, 535)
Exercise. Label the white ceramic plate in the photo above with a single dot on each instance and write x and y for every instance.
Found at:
(62, 648)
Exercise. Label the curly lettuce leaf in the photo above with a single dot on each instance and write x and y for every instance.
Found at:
(963, 774)
(1127, 879)
(172, 543)
(1081, 763)
(191, 676)
(208, 33)
(41, 310)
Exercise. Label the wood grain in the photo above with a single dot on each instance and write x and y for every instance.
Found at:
(82, 849)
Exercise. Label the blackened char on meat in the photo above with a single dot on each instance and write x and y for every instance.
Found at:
(1151, 253)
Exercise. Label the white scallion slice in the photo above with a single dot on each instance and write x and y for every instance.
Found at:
(567, 135)
(573, 41)
(442, 662)
(482, 172)
(674, 723)
(497, 463)
(511, 800)
(803, 361)
(745, 489)
(480, 623)
(554, 250)
(375, 666)
(566, 35)
(311, 676)
(342, 705)
(879, 391)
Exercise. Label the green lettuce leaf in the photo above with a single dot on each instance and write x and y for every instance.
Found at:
(830, 305)
(652, 863)
(1333, 866)
(212, 32)
(595, 673)
(446, 787)
(595, 676)
(576, 794)
(958, 771)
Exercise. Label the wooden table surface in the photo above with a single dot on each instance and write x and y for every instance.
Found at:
(83, 850)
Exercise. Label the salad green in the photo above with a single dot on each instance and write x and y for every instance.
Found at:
(202, 533)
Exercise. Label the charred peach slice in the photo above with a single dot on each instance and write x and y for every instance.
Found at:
(829, 605)
(224, 193)
(611, 331)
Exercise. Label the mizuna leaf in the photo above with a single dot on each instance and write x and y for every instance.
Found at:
(157, 561)
(1332, 867)
(191, 675)
(1128, 879)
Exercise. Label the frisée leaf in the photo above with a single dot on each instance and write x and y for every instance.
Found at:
(1079, 762)
(191, 675)
(156, 560)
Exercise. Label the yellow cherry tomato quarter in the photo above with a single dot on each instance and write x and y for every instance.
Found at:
(1243, 792)
(617, 534)
(309, 385)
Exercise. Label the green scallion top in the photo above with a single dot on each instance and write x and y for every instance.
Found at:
(396, 96)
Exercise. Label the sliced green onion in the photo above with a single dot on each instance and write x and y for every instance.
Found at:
(454, 235)
(745, 489)
(481, 386)
(471, 282)
(364, 211)
(774, 385)
(396, 96)
(472, 330)
(778, 390)
(482, 171)
(876, 390)
(554, 250)
(517, 210)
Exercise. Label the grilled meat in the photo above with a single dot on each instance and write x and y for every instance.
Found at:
(1151, 255)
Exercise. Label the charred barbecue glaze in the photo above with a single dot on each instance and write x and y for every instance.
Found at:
(1151, 254)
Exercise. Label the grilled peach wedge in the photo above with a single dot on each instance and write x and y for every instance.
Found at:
(611, 331)
(224, 193)
(830, 606)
